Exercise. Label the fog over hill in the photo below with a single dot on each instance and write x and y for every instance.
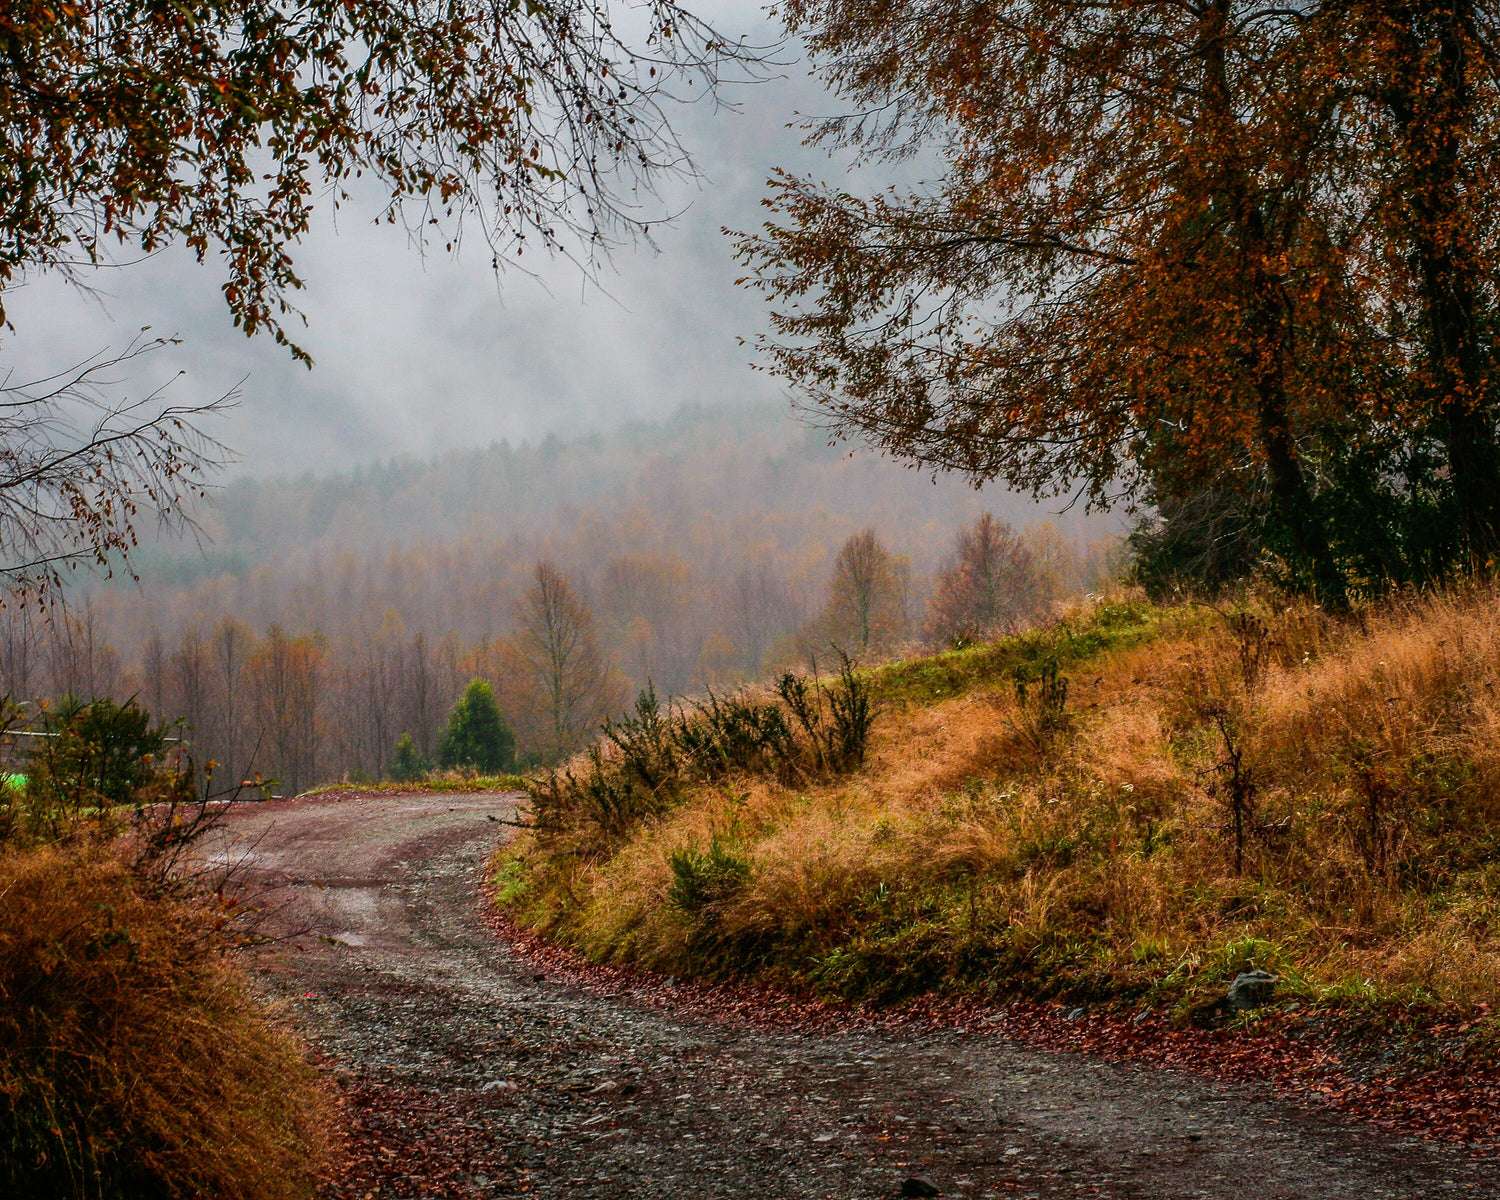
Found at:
(732, 462)
(701, 546)
(716, 487)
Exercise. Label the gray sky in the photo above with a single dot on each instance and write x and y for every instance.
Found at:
(420, 355)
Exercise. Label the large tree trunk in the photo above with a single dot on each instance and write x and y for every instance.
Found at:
(1267, 324)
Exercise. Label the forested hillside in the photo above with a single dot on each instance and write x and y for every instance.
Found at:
(321, 618)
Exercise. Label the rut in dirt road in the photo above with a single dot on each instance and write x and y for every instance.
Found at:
(468, 1075)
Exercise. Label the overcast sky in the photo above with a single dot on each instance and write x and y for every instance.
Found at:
(422, 355)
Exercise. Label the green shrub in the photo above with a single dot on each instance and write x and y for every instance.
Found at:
(97, 761)
(1041, 702)
(477, 736)
(409, 763)
(835, 719)
(100, 750)
(703, 879)
(734, 733)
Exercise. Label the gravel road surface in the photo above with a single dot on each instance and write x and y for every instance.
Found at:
(468, 1073)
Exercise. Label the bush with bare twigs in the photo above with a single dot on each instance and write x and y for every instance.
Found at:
(133, 1060)
(645, 761)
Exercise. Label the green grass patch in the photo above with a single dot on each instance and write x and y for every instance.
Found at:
(1109, 626)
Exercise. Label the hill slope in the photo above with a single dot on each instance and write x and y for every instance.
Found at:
(1169, 797)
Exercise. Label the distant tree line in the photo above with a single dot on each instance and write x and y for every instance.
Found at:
(313, 705)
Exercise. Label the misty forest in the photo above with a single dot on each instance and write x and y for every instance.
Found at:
(321, 620)
(640, 600)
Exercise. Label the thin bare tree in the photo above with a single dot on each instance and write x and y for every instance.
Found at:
(153, 674)
(232, 643)
(867, 596)
(556, 636)
(18, 655)
(283, 675)
(762, 607)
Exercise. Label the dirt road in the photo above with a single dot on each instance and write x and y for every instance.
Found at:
(468, 1075)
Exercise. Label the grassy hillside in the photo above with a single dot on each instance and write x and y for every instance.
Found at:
(1128, 808)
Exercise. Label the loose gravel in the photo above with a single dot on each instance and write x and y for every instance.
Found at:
(467, 1068)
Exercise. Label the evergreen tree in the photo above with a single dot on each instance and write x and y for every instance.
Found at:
(477, 735)
(101, 750)
(410, 762)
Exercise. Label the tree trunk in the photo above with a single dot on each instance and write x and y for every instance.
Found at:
(1267, 322)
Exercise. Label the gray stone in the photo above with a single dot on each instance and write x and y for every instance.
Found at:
(1251, 989)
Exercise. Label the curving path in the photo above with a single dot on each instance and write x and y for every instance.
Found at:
(467, 1074)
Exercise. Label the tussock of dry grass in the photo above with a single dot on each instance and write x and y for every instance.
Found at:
(967, 855)
(133, 1063)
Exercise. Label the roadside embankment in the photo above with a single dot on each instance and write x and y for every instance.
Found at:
(1121, 812)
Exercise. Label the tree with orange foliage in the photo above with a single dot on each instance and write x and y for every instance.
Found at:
(1148, 270)
(214, 124)
(989, 586)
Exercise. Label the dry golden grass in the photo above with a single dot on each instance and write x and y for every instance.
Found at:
(971, 854)
(133, 1062)
(444, 780)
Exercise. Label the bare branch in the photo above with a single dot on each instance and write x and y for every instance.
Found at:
(83, 465)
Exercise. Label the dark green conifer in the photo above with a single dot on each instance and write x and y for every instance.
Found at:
(477, 736)
(410, 762)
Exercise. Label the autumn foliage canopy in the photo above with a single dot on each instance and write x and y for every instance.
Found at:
(1213, 249)
(215, 125)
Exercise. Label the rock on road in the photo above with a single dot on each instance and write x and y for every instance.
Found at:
(467, 1074)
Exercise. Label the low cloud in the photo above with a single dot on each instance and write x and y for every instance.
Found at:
(422, 354)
